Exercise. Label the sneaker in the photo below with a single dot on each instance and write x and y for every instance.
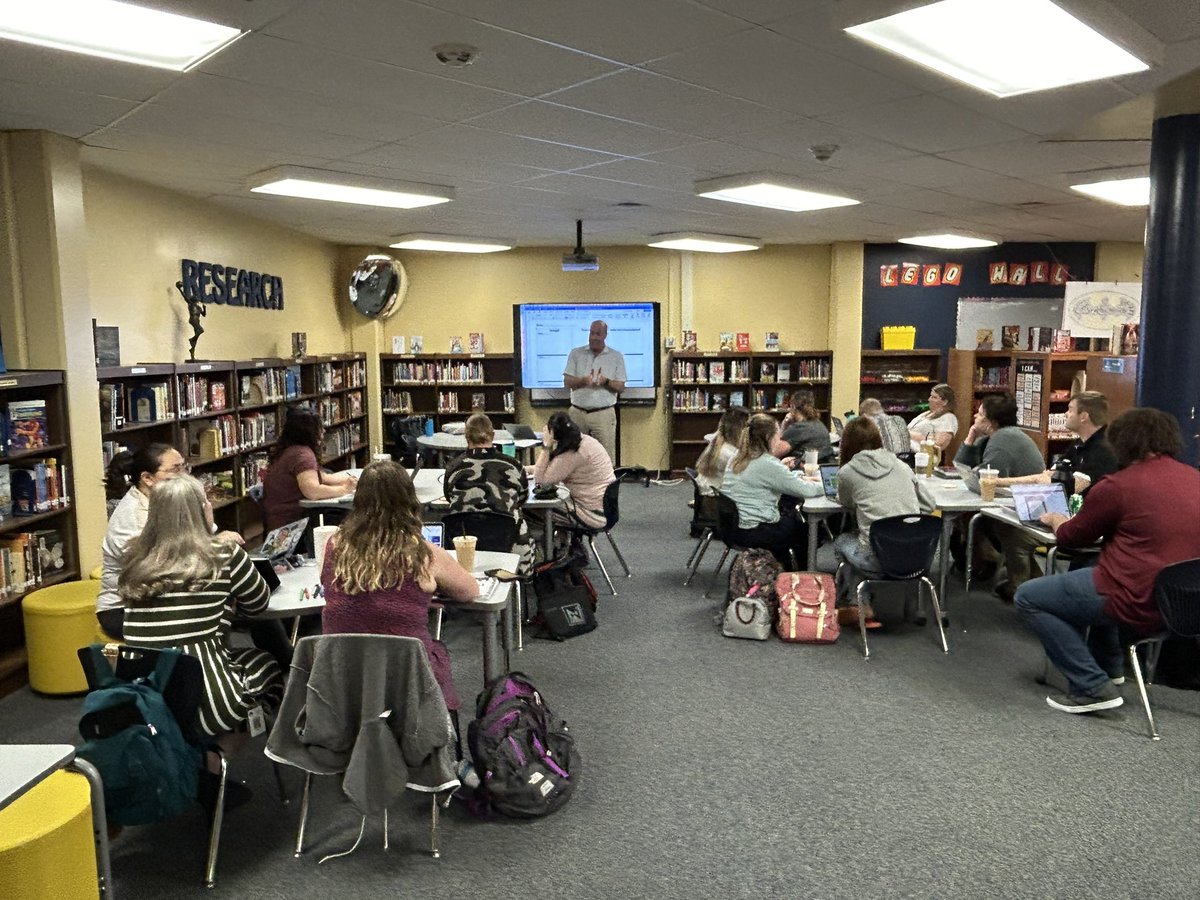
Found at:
(1005, 591)
(467, 774)
(1118, 680)
(1108, 698)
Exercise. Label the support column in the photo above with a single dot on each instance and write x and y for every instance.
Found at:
(845, 325)
(1168, 376)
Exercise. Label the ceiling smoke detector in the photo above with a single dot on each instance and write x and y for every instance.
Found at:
(456, 56)
(823, 152)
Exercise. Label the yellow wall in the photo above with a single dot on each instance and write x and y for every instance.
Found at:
(1119, 261)
(137, 234)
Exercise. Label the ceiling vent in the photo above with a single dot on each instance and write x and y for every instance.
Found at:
(456, 56)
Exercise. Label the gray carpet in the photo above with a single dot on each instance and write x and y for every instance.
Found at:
(720, 768)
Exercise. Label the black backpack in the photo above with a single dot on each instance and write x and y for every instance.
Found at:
(526, 758)
(566, 600)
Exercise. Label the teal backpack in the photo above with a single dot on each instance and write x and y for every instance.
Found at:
(148, 767)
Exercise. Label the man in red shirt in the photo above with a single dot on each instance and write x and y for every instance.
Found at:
(1147, 515)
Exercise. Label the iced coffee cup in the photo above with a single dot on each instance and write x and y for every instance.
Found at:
(987, 484)
(464, 549)
(1082, 482)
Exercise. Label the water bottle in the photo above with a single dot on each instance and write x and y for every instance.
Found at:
(1075, 504)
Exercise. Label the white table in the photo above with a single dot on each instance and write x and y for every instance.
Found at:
(1008, 515)
(446, 444)
(288, 602)
(428, 484)
(22, 766)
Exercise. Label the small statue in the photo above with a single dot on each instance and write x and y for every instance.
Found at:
(196, 310)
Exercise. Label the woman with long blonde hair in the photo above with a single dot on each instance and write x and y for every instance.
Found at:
(756, 481)
(380, 574)
(711, 466)
(181, 588)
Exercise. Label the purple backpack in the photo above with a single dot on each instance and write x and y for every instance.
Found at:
(526, 758)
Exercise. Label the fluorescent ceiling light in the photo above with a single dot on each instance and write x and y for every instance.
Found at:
(947, 241)
(448, 244)
(1004, 47)
(317, 184)
(1125, 191)
(771, 191)
(704, 243)
(113, 30)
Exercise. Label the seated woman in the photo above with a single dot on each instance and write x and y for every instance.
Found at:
(873, 484)
(995, 442)
(132, 474)
(380, 575)
(294, 473)
(579, 463)
(1145, 513)
(939, 423)
(181, 588)
(711, 466)
(893, 429)
(485, 480)
(803, 430)
(755, 481)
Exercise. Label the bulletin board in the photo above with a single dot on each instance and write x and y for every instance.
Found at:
(979, 312)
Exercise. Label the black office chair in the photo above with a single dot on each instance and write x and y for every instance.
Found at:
(704, 523)
(1177, 592)
(905, 547)
(726, 532)
(493, 532)
(612, 515)
(404, 432)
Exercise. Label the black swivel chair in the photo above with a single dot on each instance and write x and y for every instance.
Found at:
(727, 533)
(905, 547)
(612, 515)
(404, 432)
(493, 532)
(704, 521)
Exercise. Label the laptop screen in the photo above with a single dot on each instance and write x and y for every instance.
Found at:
(281, 542)
(433, 532)
(1032, 500)
(829, 479)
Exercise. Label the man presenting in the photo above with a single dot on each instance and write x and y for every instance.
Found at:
(596, 374)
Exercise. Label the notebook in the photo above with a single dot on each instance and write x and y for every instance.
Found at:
(829, 480)
(1033, 500)
(280, 543)
(434, 532)
(520, 432)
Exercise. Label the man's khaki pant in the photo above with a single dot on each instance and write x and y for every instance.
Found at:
(602, 425)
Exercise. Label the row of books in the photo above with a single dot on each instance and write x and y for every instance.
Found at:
(214, 438)
(269, 386)
(335, 376)
(698, 400)
(343, 439)
(122, 405)
(993, 376)
(199, 394)
(218, 485)
(33, 487)
(441, 371)
(252, 469)
(23, 426)
(684, 371)
(27, 558)
(728, 340)
(816, 369)
(395, 401)
(256, 429)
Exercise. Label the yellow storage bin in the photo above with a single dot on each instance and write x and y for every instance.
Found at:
(58, 621)
(898, 337)
(47, 851)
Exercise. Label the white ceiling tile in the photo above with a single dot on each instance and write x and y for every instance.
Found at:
(764, 12)
(48, 100)
(927, 171)
(630, 31)
(403, 34)
(271, 61)
(770, 69)
(104, 77)
(1032, 159)
(928, 123)
(238, 159)
(663, 102)
(795, 137)
(41, 122)
(485, 147)
(562, 125)
(645, 172)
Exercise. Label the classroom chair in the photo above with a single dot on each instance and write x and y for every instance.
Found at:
(493, 532)
(612, 515)
(704, 518)
(726, 532)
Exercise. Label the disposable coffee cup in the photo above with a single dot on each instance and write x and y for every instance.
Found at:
(811, 468)
(1082, 482)
(987, 484)
(321, 536)
(464, 549)
(381, 457)
(810, 458)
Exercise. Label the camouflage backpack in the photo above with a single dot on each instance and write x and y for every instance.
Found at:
(755, 567)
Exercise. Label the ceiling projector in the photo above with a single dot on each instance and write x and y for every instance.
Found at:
(580, 260)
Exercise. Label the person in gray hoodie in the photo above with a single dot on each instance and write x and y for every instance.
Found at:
(873, 484)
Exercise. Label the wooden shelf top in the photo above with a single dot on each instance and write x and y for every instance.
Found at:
(14, 378)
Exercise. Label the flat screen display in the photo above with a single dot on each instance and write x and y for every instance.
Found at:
(545, 333)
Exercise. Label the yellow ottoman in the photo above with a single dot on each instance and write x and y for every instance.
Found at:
(58, 621)
(47, 851)
(96, 573)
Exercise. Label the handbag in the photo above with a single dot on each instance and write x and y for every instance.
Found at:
(806, 608)
(747, 617)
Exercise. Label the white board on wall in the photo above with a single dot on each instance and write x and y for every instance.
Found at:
(978, 312)
(1092, 308)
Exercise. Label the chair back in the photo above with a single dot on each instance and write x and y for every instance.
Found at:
(1177, 591)
(494, 531)
(612, 514)
(728, 522)
(404, 431)
(906, 545)
(704, 506)
(182, 692)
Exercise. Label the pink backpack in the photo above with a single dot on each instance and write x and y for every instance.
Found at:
(806, 608)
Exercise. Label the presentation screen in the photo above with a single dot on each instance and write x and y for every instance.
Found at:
(545, 333)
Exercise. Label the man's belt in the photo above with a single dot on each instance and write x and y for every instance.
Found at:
(586, 410)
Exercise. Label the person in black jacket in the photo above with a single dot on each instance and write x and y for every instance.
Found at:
(1092, 455)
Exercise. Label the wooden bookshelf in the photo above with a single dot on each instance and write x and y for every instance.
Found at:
(704, 384)
(50, 528)
(900, 379)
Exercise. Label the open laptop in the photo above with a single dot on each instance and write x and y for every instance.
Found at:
(267, 570)
(520, 432)
(281, 542)
(1033, 500)
(829, 480)
(434, 532)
